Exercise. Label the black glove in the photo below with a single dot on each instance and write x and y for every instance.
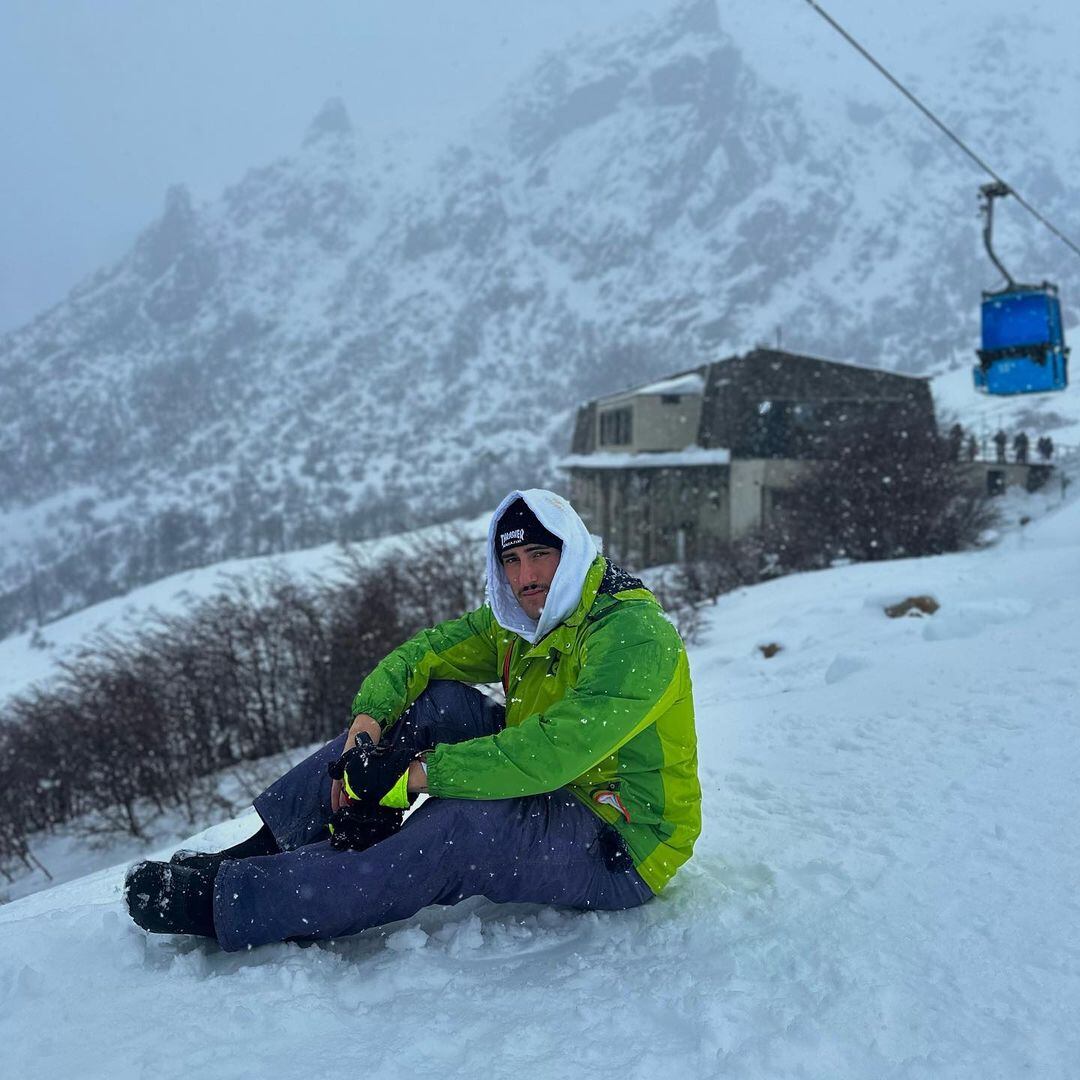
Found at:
(369, 772)
(357, 829)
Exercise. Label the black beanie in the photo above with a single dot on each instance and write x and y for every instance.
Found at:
(519, 525)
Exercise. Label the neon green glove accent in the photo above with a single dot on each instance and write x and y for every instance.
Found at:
(398, 796)
(348, 790)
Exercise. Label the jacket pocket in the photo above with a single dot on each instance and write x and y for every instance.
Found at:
(608, 795)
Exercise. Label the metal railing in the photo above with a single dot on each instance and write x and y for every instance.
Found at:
(986, 452)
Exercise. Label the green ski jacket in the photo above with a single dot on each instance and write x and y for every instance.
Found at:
(602, 706)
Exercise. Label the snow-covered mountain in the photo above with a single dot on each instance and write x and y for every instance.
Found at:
(883, 887)
(345, 344)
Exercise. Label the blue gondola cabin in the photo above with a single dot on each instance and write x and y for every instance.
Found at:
(1023, 346)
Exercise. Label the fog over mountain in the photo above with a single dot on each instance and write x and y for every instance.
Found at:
(341, 345)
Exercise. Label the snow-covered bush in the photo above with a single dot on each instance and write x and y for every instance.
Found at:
(138, 723)
(878, 494)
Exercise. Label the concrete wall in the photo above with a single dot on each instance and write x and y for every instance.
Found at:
(651, 516)
(657, 425)
(753, 482)
(993, 477)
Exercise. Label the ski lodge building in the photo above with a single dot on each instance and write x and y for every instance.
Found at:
(664, 472)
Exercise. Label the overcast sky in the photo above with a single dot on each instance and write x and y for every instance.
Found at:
(107, 102)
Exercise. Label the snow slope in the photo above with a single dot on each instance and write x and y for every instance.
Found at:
(31, 658)
(886, 884)
(1053, 413)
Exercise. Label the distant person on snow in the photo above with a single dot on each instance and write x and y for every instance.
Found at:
(1000, 442)
(1020, 448)
(955, 441)
(582, 792)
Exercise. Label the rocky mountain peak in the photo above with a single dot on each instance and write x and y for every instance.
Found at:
(332, 120)
(678, 57)
(694, 17)
(164, 241)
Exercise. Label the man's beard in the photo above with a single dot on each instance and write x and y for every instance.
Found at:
(532, 597)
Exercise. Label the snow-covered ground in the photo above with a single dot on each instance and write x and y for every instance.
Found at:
(886, 885)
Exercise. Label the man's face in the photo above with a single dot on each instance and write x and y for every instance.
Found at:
(529, 569)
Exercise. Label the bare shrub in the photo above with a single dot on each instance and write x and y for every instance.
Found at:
(879, 494)
(139, 722)
(689, 587)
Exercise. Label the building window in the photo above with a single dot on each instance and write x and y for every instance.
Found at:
(670, 399)
(617, 427)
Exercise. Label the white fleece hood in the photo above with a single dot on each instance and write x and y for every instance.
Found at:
(578, 553)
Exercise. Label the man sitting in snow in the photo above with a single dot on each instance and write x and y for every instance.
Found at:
(582, 792)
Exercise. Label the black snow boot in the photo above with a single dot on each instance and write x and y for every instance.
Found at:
(168, 899)
(262, 843)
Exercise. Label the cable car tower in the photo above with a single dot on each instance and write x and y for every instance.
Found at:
(1023, 346)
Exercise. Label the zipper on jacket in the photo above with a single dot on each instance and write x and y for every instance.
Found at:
(506, 669)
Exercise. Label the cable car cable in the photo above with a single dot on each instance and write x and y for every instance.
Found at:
(939, 124)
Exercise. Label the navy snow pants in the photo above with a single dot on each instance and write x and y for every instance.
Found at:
(545, 849)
